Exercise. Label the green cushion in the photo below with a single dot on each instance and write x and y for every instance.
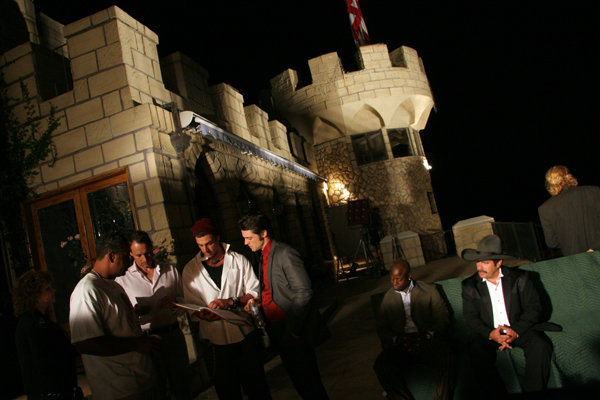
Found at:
(572, 289)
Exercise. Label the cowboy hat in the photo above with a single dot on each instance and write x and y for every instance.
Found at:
(488, 248)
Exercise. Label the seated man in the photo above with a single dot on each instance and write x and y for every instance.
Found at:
(413, 323)
(502, 306)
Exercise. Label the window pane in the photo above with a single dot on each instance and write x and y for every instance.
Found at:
(110, 210)
(57, 224)
(399, 142)
(369, 147)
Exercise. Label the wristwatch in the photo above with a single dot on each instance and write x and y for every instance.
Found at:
(236, 303)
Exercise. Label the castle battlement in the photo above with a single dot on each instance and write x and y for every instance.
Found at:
(382, 74)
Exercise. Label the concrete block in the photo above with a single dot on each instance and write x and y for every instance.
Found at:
(117, 148)
(137, 79)
(77, 26)
(150, 47)
(20, 68)
(158, 91)
(88, 158)
(154, 191)
(98, 132)
(70, 142)
(86, 41)
(84, 65)
(158, 214)
(137, 172)
(107, 81)
(62, 167)
(143, 219)
(131, 120)
(74, 178)
(135, 158)
(84, 113)
(15, 53)
(81, 90)
(105, 168)
(143, 139)
(59, 102)
(41, 189)
(139, 195)
(151, 164)
(110, 56)
(111, 103)
(142, 63)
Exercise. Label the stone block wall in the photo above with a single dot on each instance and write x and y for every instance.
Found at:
(229, 108)
(411, 248)
(470, 231)
(284, 196)
(398, 187)
(331, 87)
(189, 80)
(258, 125)
(279, 142)
(410, 245)
(108, 121)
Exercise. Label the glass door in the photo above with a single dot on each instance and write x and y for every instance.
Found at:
(66, 225)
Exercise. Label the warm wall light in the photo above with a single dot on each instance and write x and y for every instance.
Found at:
(426, 164)
(326, 192)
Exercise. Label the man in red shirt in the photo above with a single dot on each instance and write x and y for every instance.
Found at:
(286, 296)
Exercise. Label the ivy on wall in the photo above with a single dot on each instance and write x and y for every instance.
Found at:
(23, 145)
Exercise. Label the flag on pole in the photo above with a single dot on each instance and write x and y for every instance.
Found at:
(359, 28)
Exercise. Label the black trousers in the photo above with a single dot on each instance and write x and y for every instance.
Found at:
(538, 352)
(240, 365)
(436, 354)
(300, 361)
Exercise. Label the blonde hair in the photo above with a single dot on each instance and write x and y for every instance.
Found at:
(557, 178)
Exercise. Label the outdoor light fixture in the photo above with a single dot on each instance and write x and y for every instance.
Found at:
(426, 164)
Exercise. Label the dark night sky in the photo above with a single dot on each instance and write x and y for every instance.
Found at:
(513, 86)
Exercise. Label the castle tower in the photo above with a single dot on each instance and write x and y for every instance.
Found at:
(363, 128)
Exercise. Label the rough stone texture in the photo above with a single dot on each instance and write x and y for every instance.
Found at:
(398, 186)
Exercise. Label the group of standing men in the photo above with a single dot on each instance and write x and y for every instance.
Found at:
(127, 331)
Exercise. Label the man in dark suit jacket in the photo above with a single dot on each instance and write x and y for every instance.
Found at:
(571, 217)
(286, 299)
(413, 323)
(502, 307)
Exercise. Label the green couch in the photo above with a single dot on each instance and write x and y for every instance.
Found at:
(571, 290)
(570, 287)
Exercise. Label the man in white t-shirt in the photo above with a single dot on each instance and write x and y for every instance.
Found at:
(152, 290)
(105, 330)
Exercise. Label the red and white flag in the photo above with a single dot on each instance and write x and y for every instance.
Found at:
(359, 28)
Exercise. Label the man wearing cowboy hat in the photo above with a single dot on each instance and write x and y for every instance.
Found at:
(501, 306)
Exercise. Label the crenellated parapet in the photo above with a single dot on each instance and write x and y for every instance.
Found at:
(393, 86)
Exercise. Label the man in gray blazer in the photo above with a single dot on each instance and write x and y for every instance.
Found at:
(286, 299)
(413, 323)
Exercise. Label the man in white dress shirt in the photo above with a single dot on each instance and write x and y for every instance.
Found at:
(502, 307)
(153, 289)
(220, 278)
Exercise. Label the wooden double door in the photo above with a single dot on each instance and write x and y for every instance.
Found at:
(65, 226)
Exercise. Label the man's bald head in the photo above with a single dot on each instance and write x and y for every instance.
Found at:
(400, 275)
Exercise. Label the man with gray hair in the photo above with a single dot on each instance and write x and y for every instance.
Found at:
(571, 217)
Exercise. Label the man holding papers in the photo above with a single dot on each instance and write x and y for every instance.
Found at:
(219, 278)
